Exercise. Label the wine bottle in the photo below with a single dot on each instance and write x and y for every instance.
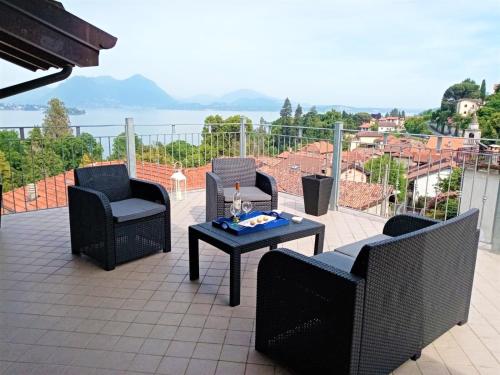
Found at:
(237, 199)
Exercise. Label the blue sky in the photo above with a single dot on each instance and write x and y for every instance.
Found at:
(354, 52)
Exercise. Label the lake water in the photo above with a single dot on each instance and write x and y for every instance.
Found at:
(109, 122)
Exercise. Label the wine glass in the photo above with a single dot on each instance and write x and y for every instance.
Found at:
(235, 212)
(246, 206)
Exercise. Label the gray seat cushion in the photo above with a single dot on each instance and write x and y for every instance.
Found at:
(134, 208)
(354, 248)
(248, 193)
(345, 256)
(337, 260)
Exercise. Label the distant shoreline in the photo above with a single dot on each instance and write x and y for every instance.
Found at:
(35, 107)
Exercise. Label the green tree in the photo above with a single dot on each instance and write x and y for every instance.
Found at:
(417, 125)
(222, 136)
(71, 149)
(461, 123)
(360, 118)
(297, 118)
(286, 119)
(451, 183)
(394, 112)
(120, 146)
(186, 153)
(56, 122)
(489, 116)
(41, 164)
(5, 173)
(12, 148)
(445, 209)
(482, 90)
(286, 113)
(378, 167)
(465, 89)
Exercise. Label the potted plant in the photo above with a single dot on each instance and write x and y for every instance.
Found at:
(316, 190)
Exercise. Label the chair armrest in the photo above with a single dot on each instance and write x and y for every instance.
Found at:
(78, 195)
(403, 224)
(267, 184)
(215, 182)
(214, 196)
(307, 310)
(149, 191)
(91, 224)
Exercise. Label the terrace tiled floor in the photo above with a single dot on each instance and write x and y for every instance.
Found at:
(61, 314)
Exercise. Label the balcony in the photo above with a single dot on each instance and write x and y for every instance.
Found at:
(60, 313)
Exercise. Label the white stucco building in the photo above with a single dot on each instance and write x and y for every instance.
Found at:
(467, 107)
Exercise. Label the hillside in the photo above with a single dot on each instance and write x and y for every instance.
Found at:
(138, 91)
(104, 91)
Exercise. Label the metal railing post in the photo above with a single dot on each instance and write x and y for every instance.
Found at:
(130, 146)
(495, 241)
(439, 143)
(21, 134)
(243, 137)
(336, 162)
(77, 130)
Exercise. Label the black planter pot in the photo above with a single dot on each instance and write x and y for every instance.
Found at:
(317, 190)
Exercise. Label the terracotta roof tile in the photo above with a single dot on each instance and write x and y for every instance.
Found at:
(452, 143)
(51, 192)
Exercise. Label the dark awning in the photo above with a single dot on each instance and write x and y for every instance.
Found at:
(41, 35)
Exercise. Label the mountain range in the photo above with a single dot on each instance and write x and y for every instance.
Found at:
(140, 92)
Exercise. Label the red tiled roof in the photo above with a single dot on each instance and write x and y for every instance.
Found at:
(362, 195)
(451, 143)
(51, 192)
(360, 155)
(321, 147)
(387, 124)
(357, 195)
(369, 134)
(434, 167)
(427, 155)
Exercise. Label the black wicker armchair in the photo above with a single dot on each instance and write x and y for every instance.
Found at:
(368, 307)
(114, 218)
(257, 187)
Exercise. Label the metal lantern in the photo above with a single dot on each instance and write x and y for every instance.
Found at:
(179, 183)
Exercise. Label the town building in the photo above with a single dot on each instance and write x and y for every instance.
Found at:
(467, 107)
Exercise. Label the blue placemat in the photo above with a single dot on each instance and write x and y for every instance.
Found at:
(229, 226)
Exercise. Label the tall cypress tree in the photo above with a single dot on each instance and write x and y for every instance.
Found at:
(297, 118)
(286, 117)
(286, 112)
(482, 90)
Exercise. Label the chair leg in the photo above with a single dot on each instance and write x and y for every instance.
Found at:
(416, 356)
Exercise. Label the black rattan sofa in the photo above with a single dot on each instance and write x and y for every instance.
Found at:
(257, 187)
(114, 218)
(368, 307)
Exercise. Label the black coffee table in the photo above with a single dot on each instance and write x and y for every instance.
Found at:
(237, 245)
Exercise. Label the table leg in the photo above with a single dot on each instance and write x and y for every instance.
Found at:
(194, 261)
(234, 278)
(318, 242)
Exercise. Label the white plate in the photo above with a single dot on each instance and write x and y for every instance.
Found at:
(246, 223)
